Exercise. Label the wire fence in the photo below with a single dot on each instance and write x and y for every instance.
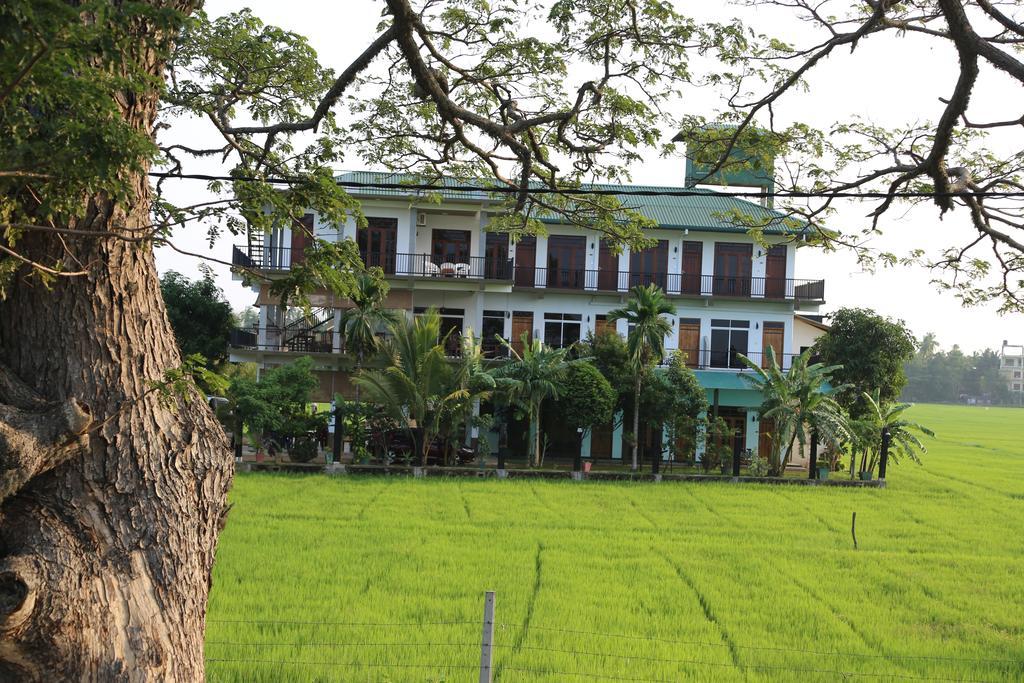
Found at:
(449, 651)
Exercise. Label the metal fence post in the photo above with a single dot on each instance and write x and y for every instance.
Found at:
(487, 641)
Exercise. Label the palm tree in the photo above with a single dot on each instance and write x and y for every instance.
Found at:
(797, 402)
(476, 383)
(360, 325)
(417, 386)
(527, 379)
(646, 341)
(903, 442)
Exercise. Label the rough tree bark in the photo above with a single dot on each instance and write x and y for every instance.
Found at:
(112, 500)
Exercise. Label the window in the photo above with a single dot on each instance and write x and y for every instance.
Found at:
(649, 266)
(562, 329)
(378, 242)
(450, 246)
(728, 337)
(732, 269)
(1016, 387)
(567, 259)
(493, 325)
(451, 326)
(1016, 374)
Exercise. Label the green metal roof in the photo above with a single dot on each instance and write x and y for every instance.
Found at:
(708, 211)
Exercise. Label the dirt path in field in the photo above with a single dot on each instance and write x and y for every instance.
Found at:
(524, 628)
(705, 605)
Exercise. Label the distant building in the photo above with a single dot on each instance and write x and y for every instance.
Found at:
(1011, 368)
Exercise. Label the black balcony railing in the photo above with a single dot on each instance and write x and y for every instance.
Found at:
(781, 289)
(294, 340)
(728, 359)
(411, 265)
(487, 268)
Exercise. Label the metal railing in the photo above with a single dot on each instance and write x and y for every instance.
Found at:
(272, 338)
(486, 268)
(680, 284)
(709, 359)
(264, 257)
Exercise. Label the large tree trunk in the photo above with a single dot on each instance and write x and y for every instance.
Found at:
(108, 539)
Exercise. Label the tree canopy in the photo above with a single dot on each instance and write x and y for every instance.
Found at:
(199, 314)
(869, 352)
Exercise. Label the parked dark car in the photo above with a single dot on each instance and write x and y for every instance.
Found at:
(398, 443)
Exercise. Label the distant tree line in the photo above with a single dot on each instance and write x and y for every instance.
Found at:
(952, 376)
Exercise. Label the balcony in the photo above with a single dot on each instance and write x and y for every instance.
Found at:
(259, 257)
(674, 284)
(728, 359)
(290, 340)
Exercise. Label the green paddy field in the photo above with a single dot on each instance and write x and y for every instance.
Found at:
(382, 579)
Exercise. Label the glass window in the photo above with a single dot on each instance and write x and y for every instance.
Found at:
(562, 329)
(728, 337)
(493, 327)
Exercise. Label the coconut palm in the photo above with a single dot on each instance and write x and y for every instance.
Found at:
(361, 324)
(903, 442)
(476, 382)
(797, 402)
(646, 341)
(416, 388)
(530, 377)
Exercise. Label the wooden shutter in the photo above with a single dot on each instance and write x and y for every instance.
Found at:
(689, 340)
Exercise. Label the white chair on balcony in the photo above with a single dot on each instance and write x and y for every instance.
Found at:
(462, 270)
(430, 269)
(447, 269)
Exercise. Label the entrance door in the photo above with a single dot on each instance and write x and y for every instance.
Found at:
(603, 325)
(302, 238)
(649, 266)
(732, 269)
(693, 255)
(566, 261)
(766, 432)
(601, 441)
(772, 338)
(607, 269)
(775, 272)
(689, 340)
(736, 419)
(496, 256)
(522, 321)
(378, 243)
(526, 261)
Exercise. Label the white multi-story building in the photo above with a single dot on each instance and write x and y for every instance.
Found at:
(731, 293)
(1011, 368)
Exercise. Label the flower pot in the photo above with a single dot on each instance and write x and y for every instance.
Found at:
(823, 472)
(865, 476)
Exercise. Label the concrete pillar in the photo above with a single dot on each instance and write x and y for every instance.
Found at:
(752, 430)
(541, 262)
(336, 346)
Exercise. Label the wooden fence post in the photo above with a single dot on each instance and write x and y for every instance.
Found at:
(338, 433)
(884, 458)
(487, 641)
(812, 469)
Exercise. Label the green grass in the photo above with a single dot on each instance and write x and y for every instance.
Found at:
(704, 581)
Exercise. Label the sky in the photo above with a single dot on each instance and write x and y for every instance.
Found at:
(888, 82)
